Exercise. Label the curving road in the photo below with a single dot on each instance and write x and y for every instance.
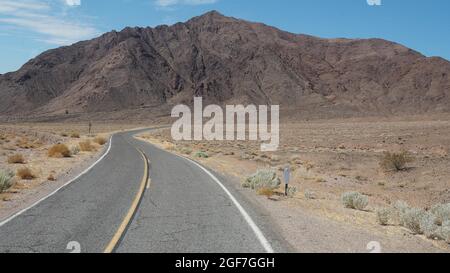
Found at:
(112, 207)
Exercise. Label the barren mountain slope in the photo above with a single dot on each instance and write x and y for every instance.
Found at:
(227, 60)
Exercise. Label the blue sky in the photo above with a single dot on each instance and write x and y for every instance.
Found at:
(29, 27)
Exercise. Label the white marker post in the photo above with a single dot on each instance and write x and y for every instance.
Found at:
(287, 177)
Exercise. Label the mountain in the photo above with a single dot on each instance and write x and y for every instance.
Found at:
(227, 61)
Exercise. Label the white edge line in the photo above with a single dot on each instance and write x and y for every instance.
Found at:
(61, 187)
(262, 239)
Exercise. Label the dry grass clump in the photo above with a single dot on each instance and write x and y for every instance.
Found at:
(16, 159)
(100, 140)
(25, 173)
(268, 192)
(86, 146)
(59, 151)
(51, 177)
(75, 135)
(25, 143)
(395, 161)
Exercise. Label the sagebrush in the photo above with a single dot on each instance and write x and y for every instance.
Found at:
(266, 178)
(383, 216)
(355, 200)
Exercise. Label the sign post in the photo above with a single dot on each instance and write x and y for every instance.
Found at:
(287, 177)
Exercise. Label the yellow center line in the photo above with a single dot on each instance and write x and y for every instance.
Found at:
(120, 231)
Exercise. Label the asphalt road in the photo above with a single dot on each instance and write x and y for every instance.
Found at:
(186, 208)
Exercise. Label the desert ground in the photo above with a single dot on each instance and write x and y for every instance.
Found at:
(332, 157)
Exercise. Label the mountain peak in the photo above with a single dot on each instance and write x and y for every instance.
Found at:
(210, 16)
(213, 13)
(227, 60)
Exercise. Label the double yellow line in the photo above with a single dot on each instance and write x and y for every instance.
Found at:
(134, 206)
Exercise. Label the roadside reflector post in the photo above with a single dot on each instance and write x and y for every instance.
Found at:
(287, 177)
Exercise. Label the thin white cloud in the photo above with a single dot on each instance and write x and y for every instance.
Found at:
(42, 18)
(168, 3)
(73, 2)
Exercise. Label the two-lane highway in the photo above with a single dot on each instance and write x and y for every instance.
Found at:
(186, 208)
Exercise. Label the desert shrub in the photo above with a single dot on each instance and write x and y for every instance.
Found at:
(86, 146)
(16, 159)
(74, 150)
(59, 151)
(75, 135)
(201, 154)
(268, 192)
(186, 151)
(395, 161)
(25, 173)
(291, 191)
(383, 216)
(411, 219)
(100, 140)
(6, 180)
(64, 134)
(355, 200)
(428, 225)
(266, 178)
(51, 177)
(441, 212)
(310, 195)
(400, 208)
(444, 231)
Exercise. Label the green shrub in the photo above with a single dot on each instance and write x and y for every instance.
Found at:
(266, 178)
(355, 200)
(201, 154)
(6, 180)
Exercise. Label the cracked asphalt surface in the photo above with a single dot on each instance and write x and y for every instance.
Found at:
(184, 210)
